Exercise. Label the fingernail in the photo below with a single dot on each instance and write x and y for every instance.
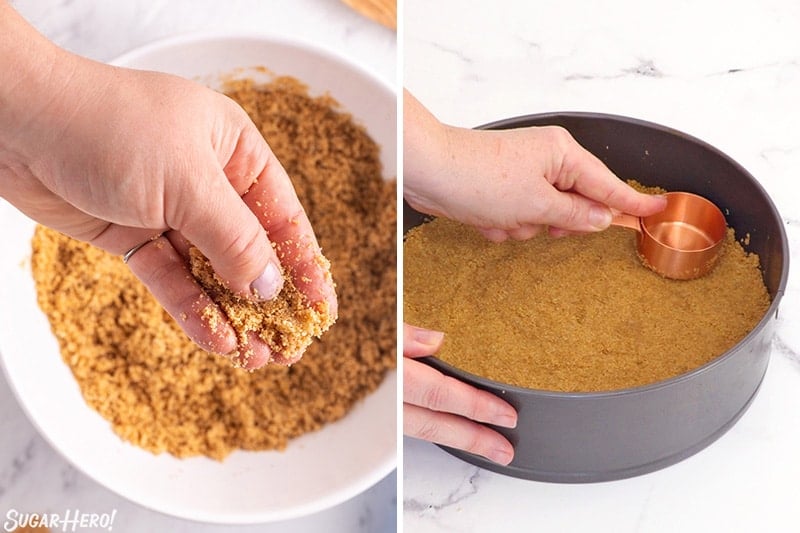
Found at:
(506, 420)
(427, 337)
(500, 455)
(599, 217)
(269, 284)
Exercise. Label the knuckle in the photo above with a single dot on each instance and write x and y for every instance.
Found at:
(559, 136)
(474, 441)
(574, 215)
(435, 397)
(472, 408)
(429, 430)
(155, 276)
(238, 253)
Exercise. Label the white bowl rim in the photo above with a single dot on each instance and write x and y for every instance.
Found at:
(277, 38)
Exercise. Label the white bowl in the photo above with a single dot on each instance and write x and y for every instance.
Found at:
(317, 470)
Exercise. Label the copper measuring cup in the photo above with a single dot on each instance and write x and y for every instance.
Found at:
(681, 242)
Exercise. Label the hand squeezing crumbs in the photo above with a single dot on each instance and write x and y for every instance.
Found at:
(287, 323)
(162, 392)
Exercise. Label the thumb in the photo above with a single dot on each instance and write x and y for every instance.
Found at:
(419, 342)
(574, 212)
(224, 228)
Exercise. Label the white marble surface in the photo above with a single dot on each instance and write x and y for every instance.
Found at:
(726, 72)
(33, 477)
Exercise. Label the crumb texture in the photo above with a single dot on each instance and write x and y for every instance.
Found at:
(573, 314)
(287, 323)
(161, 392)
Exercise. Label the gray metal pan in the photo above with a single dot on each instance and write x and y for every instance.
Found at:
(590, 437)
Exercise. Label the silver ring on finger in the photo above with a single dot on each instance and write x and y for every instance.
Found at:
(127, 255)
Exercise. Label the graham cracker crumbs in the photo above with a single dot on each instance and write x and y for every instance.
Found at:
(210, 316)
(160, 391)
(575, 314)
(287, 324)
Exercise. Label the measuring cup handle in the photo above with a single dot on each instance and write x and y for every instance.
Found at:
(627, 221)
